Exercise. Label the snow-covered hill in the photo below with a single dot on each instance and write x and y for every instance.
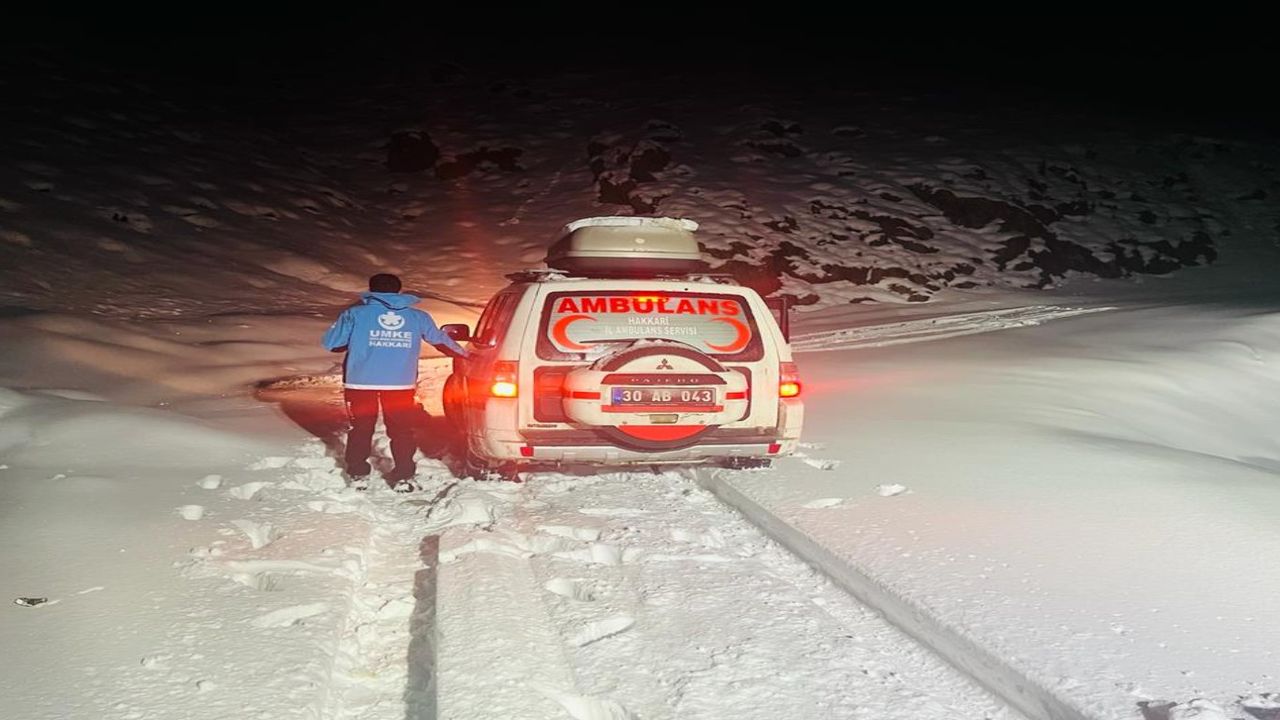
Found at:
(128, 198)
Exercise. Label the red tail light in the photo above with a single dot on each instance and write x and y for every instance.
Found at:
(788, 380)
(504, 379)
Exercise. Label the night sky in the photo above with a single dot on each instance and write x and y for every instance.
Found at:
(1210, 74)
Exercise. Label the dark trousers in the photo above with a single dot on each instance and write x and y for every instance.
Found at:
(398, 413)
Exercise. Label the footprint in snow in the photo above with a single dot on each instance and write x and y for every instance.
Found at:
(584, 534)
(484, 545)
(598, 553)
(156, 662)
(1198, 709)
(261, 581)
(270, 463)
(504, 496)
(1264, 706)
(600, 629)
(464, 511)
(571, 589)
(286, 617)
(1262, 713)
(891, 490)
(205, 552)
(191, 512)
(821, 503)
(821, 464)
(683, 558)
(313, 463)
(613, 512)
(584, 707)
(400, 608)
(211, 482)
(247, 491)
(260, 534)
(712, 539)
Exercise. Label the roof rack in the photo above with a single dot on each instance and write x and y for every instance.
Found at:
(722, 278)
(537, 275)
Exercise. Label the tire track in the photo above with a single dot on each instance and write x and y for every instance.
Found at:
(935, 328)
(626, 595)
(962, 652)
(477, 598)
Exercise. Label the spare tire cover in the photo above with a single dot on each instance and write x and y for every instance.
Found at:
(657, 361)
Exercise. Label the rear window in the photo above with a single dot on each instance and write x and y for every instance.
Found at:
(578, 325)
(494, 319)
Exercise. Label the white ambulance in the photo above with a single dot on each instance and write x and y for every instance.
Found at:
(625, 351)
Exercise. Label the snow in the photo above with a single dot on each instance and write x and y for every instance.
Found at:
(683, 224)
(686, 583)
(1090, 500)
(1069, 495)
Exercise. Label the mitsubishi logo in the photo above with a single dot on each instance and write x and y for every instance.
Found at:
(664, 365)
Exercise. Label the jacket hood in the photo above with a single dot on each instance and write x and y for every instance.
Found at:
(394, 301)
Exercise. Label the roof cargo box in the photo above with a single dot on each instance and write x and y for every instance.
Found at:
(627, 247)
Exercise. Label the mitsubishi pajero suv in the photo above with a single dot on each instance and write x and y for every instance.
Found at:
(625, 351)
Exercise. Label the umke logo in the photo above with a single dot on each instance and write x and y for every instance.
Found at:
(390, 321)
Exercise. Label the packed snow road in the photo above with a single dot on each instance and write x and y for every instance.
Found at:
(626, 595)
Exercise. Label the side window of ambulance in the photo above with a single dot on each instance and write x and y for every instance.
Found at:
(494, 319)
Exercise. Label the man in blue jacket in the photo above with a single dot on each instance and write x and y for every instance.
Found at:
(382, 336)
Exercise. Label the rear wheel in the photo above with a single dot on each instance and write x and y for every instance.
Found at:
(473, 466)
(452, 400)
(477, 468)
(508, 472)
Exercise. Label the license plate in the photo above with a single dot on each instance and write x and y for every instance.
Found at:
(664, 396)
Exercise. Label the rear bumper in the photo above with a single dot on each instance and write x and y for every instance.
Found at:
(613, 455)
(584, 446)
(587, 438)
(499, 440)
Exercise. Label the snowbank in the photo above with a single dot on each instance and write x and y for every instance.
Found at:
(1091, 500)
